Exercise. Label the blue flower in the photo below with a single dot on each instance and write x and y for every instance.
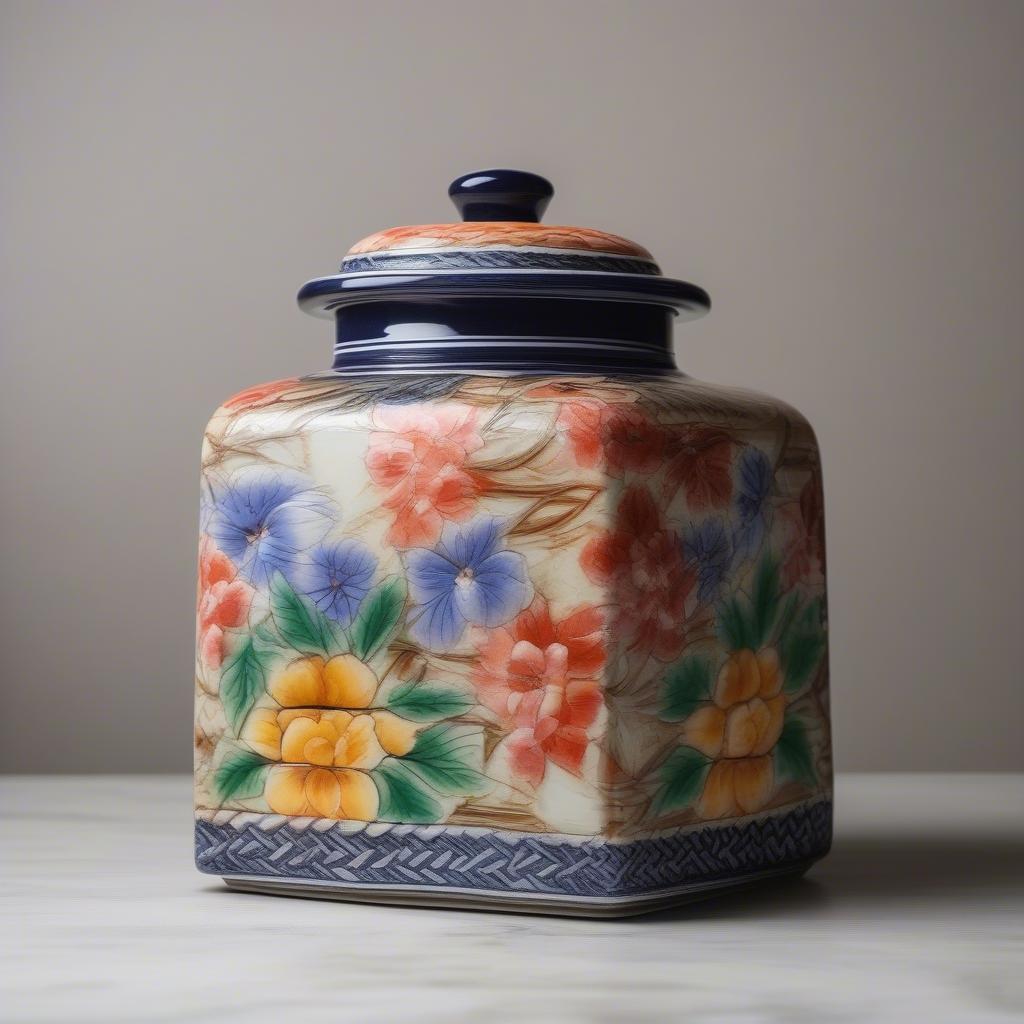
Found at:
(337, 577)
(468, 578)
(755, 485)
(710, 546)
(264, 521)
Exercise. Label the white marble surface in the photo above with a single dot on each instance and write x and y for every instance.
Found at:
(917, 915)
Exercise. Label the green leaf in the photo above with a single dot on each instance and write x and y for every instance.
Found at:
(793, 756)
(786, 615)
(301, 624)
(446, 758)
(402, 794)
(765, 600)
(733, 625)
(425, 702)
(682, 779)
(802, 647)
(378, 617)
(686, 685)
(243, 680)
(240, 775)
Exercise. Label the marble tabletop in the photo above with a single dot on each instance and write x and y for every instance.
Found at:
(917, 915)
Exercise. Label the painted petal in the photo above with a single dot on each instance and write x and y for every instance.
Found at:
(566, 748)
(771, 724)
(470, 545)
(359, 799)
(535, 625)
(430, 575)
(738, 680)
(719, 797)
(770, 672)
(396, 735)
(299, 683)
(211, 646)
(526, 758)
(582, 703)
(323, 791)
(348, 682)
(299, 742)
(525, 665)
(286, 790)
(414, 526)
(358, 746)
(263, 733)
(742, 727)
(705, 730)
(438, 624)
(583, 635)
(754, 779)
(498, 592)
(232, 604)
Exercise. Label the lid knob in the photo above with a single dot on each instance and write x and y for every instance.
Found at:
(501, 195)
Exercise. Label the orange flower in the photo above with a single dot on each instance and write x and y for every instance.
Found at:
(223, 601)
(739, 729)
(419, 454)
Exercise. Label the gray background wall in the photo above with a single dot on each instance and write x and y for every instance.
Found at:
(845, 178)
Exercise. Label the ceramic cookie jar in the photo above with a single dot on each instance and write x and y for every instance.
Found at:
(503, 610)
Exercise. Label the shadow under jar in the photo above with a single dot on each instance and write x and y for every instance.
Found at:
(503, 610)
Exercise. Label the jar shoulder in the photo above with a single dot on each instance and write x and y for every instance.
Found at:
(522, 403)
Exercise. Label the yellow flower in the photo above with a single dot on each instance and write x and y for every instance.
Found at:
(739, 729)
(322, 792)
(326, 738)
(342, 682)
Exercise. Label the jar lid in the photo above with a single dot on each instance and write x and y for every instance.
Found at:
(500, 249)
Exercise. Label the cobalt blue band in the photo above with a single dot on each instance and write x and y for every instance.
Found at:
(435, 857)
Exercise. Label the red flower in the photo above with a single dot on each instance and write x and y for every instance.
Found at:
(804, 547)
(420, 456)
(641, 563)
(223, 601)
(632, 442)
(583, 422)
(702, 465)
(622, 434)
(537, 676)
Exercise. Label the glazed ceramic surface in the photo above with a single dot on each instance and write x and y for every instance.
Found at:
(551, 641)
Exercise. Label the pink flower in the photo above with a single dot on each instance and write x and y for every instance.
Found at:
(420, 456)
(537, 676)
(223, 601)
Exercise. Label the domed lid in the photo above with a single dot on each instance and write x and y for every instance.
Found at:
(500, 249)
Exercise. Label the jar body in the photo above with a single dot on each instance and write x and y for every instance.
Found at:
(551, 643)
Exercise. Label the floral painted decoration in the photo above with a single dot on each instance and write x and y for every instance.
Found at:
(549, 605)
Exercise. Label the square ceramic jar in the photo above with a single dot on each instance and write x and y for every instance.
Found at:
(504, 610)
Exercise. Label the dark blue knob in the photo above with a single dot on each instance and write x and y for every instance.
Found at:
(501, 195)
